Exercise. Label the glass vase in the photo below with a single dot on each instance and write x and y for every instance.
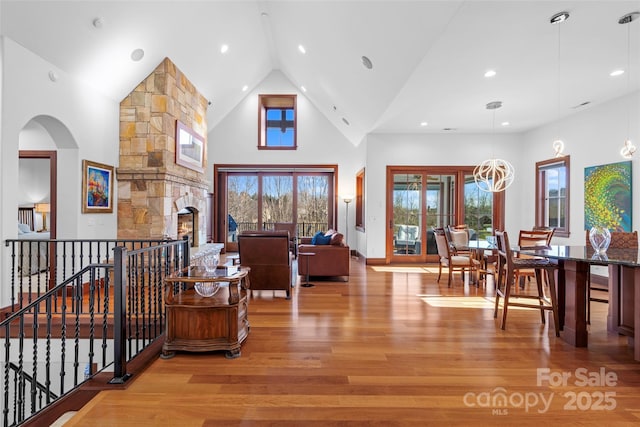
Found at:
(206, 289)
(210, 262)
(600, 238)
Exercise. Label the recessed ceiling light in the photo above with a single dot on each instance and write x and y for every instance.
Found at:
(490, 73)
(53, 76)
(424, 124)
(367, 63)
(616, 73)
(346, 122)
(505, 123)
(224, 48)
(137, 55)
(302, 49)
(449, 129)
(98, 23)
(304, 89)
(244, 88)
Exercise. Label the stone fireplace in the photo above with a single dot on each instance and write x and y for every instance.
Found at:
(188, 221)
(186, 224)
(152, 188)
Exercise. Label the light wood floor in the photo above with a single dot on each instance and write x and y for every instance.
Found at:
(389, 348)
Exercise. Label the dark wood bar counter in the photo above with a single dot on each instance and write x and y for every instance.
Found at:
(624, 297)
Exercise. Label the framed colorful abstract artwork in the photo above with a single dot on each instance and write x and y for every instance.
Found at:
(608, 197)
(97, 187)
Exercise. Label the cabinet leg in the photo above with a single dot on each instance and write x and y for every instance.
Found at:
(232, 354)
(167, 354)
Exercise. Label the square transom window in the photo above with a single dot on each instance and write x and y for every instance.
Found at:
(277, 122)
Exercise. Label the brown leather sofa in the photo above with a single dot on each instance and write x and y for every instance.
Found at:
(267, 254)
(328, 261)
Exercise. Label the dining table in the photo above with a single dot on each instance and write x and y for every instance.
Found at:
(624, 296)
(484, 250)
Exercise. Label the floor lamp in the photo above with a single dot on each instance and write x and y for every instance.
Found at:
(347, 200)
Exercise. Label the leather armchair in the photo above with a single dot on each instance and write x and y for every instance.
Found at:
(267, 254)
(293, 236)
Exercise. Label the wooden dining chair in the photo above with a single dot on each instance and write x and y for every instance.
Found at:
(619, 239)
(459, 238)
(451, 260)
(532, 239)
(508, 265)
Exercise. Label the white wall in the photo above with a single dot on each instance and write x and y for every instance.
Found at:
(33, 182)
(92, 121)
(235, 141)
(591, 137)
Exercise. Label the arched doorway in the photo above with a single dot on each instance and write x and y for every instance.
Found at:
(39, 141)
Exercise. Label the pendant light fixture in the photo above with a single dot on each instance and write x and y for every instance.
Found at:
(493, 175)
(558, 144)
(628, 148)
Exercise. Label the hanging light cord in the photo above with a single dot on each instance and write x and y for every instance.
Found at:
(629, 79)
(628, 149)
(558, 144)
(559, 86)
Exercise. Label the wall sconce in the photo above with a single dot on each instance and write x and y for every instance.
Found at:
(558, 147)
(628, 149)
(43, 208)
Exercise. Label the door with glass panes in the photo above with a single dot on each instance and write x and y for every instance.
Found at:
(262, 201)
(424, 198)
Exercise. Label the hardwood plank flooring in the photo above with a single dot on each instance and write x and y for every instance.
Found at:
(389, 348)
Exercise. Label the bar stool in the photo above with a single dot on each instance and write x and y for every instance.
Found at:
(508, 265)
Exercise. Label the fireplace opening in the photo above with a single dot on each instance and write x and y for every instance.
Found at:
(188, 225)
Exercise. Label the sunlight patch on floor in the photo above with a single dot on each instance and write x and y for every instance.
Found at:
(404, 269)
(465, 302)
(459, 301)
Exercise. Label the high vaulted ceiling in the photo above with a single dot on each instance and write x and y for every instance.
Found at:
(429, 57)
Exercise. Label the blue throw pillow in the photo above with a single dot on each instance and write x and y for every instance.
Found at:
(314, 239)
(322, 239)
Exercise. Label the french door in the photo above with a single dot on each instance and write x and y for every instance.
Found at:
(249, 199)
(421, 198)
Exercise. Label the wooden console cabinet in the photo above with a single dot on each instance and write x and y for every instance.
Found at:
(197, 323)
